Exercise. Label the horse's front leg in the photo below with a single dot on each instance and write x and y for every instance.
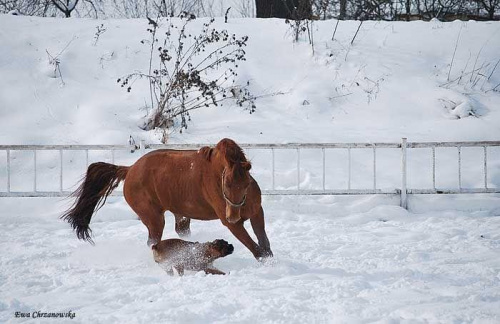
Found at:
(242, 235)
(258, 226)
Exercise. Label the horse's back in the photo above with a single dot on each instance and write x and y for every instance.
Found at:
(169, 154)
(171, 179)
(164, 161)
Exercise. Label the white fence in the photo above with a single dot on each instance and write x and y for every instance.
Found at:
(401, 190)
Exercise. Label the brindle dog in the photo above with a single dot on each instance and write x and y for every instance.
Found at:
(184, 255)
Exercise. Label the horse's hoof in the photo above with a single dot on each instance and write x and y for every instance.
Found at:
(264, 255)
(267, 261)
(152, 242)
(184, 233)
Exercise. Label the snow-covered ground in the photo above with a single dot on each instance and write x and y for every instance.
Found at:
(337, 259)
(389, 84)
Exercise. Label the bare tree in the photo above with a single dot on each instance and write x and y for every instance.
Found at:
(343, 9)
(246, 8)
(191, 71)
(26, 7)
(490, 6)
(289, 9)
(66, 6)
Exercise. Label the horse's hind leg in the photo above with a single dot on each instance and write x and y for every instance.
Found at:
(155, 224)
(153, 218)
(182, 225)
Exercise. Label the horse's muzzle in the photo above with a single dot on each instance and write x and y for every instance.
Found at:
(233, 220)
(233, 215)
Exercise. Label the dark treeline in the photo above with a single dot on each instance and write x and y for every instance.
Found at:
(445, 10)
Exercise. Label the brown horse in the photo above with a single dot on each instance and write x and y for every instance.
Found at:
(211, 183)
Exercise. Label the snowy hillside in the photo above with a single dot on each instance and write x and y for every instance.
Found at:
(337, 259)
(387, 85)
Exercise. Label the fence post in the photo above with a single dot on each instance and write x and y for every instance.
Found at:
(349, 169)
(272, 175)
(324, 168)
(374, 168)
(60, 170)
(34, 170)
(142, 147)
(459, 149)
(485, 168)
(404, 198)
(298, 169)
(8, 170)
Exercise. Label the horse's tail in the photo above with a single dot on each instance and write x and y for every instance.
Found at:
(101, 179)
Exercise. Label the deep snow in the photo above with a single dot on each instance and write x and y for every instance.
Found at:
(337, 259)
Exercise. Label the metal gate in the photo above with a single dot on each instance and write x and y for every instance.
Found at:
(404, 146)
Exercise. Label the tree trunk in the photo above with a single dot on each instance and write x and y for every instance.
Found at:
(65, 7)
(408, 10)
(491, 12)
(343, 9)
(288, 9)
(263, 8)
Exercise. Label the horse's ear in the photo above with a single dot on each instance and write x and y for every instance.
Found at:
(246, 165)
(206, 152)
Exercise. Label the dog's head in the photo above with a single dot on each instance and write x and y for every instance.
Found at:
(218, 249)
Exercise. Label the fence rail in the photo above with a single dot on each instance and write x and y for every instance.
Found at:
(403, 190)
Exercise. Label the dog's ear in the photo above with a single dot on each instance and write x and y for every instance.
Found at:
(219, 244)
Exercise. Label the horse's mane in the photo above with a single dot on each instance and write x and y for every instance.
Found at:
(231, 151)
(206, 152)
(234, 156)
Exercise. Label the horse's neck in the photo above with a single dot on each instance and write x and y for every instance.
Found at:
(214, 169)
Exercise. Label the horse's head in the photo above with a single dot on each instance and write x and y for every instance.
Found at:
(235, 183)
(235, 179)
